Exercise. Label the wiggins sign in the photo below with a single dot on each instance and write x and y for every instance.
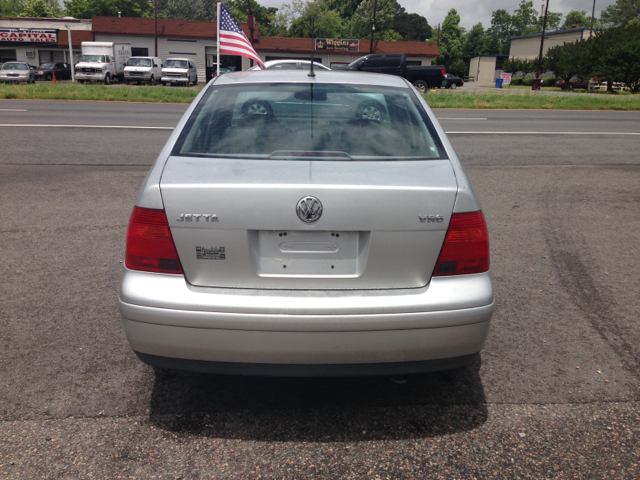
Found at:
(337, 45)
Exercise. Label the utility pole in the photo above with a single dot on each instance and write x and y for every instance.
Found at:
(593, 12)
(536, 85)
(373, 24)
(155, 34)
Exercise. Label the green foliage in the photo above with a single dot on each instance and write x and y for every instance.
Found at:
(41, 8)
(10, 8)
(553, 22)
(411, 26)
(108, 8)
(576, 19)
(360, 24)
(316, 21)
(451, 44)
(524, 16)
(548, 82)
(622, 13)
(569, 59)
(475, 43)
(521, 65)
(615, 55)
(527, 82)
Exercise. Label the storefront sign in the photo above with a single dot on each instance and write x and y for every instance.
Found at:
(28, 35)
(337, 45)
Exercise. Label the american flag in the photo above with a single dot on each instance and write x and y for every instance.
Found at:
(232, 39)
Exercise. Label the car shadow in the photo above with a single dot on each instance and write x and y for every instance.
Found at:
(318, 409)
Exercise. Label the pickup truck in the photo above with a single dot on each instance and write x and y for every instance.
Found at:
(422, 78)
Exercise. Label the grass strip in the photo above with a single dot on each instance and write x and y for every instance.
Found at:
(96, 92)
(529, 100)
(520, 100)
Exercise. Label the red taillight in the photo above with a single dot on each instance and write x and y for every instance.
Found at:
(150, 245)
(444, 71)
(466, 246)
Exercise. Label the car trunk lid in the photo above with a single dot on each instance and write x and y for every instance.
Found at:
(235, 222)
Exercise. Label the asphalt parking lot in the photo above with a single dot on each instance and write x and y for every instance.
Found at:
(555, 395)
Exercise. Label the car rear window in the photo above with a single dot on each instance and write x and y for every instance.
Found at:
(302, 121)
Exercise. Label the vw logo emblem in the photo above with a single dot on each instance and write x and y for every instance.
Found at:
(309, 209)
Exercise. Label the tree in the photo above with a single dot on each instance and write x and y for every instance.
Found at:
(500, 32)
(10, 8)
(316, 21)
(576, 19)
(360, 25)
(615, 56)
(568, 60)
(41, 8)
(475, 43)
(108, 8)
(622, 13)
(411, 26)
(524, 16)
(451, 43)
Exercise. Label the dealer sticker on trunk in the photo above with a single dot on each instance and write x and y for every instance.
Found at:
(213, 253)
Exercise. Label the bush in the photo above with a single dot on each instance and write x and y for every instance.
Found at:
(516, 81)
(548, 82)
(527, 82)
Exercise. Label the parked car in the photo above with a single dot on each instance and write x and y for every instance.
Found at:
(290, 65)
(20, 72)
(143, 70)
(423, 78)
(179, 71)
(283, 231)
(451, 81)
(46, 70)
(212, 71)
(574, 82)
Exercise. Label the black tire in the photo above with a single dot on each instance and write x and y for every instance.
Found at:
(570, 87)
(107, 79)
(164, 84)
(196, 81)
(257, 107)
(49, 77)
(454, 86)
(371, 110)
(421, 86)
(152, 81)
(81, 81)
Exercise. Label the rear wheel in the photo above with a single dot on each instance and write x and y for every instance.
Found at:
(107, 79)
(152, 81)
(421, 86)
(453, 86)
(195, 82)
(370, 110)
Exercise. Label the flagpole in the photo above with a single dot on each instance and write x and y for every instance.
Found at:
(218, 40)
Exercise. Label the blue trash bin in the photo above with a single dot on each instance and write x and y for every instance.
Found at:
(499, 82)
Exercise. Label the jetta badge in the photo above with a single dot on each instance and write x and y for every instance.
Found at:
(309, 209)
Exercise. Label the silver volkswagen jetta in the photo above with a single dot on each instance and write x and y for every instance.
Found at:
(307, 225)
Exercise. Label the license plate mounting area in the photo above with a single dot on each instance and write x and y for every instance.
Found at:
(309, 254)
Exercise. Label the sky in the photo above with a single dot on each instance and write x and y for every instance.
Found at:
(474, 11)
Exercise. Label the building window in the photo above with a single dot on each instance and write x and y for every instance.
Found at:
(8, 56)
(139, 52)
(414, 63)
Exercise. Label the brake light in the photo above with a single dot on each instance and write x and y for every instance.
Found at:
(150, 246)
(444, 71)
(466, 246)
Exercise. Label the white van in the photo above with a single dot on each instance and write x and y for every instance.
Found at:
(179, 71)
(143, 69)
(102, 62)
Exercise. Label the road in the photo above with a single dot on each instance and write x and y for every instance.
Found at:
(556, 394)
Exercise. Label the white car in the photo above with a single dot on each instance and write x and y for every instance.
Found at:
(143, 70)
(297, 225)
(290, 65)
(179, 71)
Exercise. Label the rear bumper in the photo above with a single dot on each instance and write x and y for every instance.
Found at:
(318, 333)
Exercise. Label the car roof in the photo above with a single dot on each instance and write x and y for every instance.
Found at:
(302, 76)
